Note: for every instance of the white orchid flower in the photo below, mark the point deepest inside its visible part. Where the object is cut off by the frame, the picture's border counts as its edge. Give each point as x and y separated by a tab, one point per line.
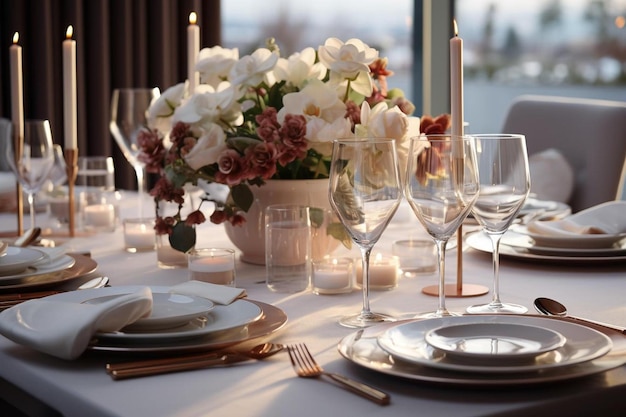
214	64
252	70
315	101
210	105
384	122
208	147
162	108
349	60
299	68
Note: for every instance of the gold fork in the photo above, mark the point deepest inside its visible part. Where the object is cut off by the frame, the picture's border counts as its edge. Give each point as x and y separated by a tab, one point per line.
306	367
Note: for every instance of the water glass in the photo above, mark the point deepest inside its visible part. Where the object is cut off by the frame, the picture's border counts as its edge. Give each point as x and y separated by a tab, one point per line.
96	172
214	265
287	248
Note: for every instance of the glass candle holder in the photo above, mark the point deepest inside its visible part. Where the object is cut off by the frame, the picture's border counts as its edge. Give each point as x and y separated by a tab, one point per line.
332	275
416	256
214	265
383	272
139	235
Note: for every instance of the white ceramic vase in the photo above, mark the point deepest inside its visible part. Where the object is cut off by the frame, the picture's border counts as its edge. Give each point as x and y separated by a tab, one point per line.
250	237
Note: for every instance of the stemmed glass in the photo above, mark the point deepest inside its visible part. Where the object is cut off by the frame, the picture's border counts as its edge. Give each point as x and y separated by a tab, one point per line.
128	118
504	186
32	161
441	186
364	192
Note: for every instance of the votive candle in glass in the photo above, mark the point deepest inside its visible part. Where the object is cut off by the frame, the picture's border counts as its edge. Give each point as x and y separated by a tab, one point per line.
139	235
214	265
383	272
332	275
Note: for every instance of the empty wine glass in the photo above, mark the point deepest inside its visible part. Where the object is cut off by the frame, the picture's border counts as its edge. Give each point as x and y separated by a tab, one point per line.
364	192
32	160
128	118
441	186
504	186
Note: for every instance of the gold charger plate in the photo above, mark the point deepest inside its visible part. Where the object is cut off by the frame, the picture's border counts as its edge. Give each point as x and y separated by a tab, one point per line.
82	266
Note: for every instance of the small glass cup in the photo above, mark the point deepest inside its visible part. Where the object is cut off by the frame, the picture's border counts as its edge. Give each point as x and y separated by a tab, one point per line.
383	272
139	235
416	256
214	265
332	275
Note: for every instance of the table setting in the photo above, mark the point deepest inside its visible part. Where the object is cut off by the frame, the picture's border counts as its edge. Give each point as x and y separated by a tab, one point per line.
195	322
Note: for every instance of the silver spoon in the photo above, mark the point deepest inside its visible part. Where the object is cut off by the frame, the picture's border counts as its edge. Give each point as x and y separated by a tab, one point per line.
97	282
28	237
551	307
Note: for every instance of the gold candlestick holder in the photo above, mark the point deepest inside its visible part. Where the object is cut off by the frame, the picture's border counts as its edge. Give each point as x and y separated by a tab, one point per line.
71	162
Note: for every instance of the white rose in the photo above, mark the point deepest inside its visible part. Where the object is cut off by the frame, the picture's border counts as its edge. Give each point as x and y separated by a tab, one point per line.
208	147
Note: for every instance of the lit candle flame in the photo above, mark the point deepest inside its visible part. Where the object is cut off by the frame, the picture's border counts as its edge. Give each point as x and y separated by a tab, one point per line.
16	37
69	32
193	18
456	28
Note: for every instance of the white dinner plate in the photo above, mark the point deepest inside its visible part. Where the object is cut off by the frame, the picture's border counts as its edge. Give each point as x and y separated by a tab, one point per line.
16	260
524	241
222	318
406	342
480	242
490	343
40	268
362	348
168	310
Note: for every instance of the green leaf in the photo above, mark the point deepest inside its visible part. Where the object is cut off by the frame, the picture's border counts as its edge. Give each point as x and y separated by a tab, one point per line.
316	215
242	196
183	237
337	231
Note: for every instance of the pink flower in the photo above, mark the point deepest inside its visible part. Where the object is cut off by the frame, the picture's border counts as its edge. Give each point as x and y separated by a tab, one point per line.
261	159
195	217
153	150
231	168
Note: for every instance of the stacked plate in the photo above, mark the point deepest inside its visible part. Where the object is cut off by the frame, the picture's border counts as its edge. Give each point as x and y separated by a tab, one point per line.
36	267
181	322
484	349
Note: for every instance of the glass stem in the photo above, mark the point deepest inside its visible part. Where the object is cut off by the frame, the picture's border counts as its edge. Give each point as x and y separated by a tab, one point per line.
140	171
441	259
495	244
31	206
365	256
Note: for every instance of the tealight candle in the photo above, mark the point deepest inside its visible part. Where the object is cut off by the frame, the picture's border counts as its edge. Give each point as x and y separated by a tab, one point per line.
99	217
332	276
139	235
213	265
383	273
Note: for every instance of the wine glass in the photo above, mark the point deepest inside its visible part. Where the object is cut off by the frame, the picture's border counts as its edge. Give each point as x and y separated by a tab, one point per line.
504	186
441	186
364	192
128	118
32	160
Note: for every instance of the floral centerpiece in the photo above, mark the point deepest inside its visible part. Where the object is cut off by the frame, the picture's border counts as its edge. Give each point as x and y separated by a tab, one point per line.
262	117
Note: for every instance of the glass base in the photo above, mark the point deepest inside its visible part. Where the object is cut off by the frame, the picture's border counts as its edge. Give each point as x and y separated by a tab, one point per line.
435	314
362	320
497	308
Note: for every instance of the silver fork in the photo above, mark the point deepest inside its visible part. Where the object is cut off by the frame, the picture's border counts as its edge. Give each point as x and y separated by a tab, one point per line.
306	367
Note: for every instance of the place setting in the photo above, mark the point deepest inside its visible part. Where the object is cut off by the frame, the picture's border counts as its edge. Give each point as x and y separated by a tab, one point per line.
485	350
191	316
592	236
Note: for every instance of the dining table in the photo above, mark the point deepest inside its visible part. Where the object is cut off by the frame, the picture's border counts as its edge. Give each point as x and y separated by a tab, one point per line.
35	384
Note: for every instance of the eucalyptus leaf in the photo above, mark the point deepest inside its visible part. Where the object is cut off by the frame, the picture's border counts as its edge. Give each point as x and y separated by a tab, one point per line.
242	196
183	237
345	200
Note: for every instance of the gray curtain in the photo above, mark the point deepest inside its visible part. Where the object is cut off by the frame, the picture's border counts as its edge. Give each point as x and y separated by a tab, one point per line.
120	43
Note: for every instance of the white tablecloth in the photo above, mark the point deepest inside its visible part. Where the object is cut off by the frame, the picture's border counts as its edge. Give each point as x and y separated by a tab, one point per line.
270	387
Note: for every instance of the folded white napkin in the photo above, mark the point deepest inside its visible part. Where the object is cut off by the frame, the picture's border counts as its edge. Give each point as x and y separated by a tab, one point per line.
606	218
562	228
219	294
64	329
